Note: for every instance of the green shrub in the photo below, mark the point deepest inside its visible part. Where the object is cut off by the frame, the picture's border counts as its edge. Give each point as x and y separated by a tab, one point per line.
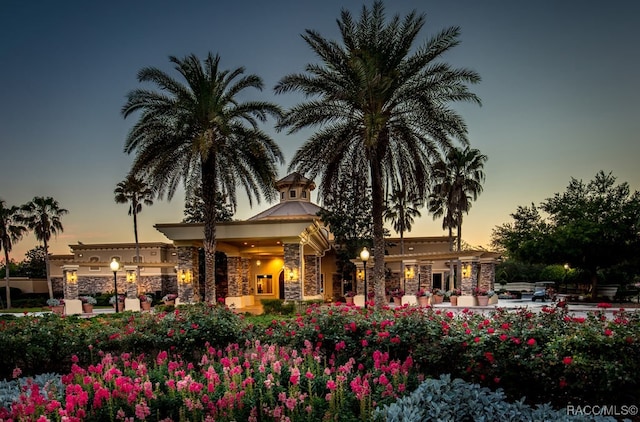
456	400
278	307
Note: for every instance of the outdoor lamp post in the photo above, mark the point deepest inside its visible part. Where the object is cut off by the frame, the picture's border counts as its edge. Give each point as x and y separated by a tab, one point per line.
566	270
364	256
115	266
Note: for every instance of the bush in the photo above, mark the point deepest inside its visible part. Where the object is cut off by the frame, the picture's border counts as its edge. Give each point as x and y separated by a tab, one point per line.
448	400
278	307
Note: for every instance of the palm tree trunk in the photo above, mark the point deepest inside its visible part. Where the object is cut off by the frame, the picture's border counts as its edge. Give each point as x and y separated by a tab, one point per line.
135	234
209	190
377	208
459	231
6	267
452	279
47	266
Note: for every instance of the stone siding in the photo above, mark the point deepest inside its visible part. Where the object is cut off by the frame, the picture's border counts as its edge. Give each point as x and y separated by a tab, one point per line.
234	272
292	288
487	275
311	275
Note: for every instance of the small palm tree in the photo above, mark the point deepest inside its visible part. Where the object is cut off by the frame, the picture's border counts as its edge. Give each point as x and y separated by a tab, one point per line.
135	192
43	216
202	130
458	182
401	210
382	108
10	232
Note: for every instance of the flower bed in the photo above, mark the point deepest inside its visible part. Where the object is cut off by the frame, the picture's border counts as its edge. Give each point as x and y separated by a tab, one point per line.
563	359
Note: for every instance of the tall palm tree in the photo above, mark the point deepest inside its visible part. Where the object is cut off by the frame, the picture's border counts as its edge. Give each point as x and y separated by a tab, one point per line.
401	210
135	192
382	108
43	216
10	232
458	182
200	128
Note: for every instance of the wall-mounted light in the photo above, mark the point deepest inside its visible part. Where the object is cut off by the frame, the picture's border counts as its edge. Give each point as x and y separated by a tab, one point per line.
185	276
408	273
131	276
291	275
72	277
466	271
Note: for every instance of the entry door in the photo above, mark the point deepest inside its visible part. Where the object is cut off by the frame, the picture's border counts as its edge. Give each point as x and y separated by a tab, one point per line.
437	281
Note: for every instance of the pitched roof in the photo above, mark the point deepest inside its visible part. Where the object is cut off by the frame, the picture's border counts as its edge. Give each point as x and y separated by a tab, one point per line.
288	211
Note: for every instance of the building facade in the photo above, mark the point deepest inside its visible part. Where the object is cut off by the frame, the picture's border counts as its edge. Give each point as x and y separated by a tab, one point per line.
283	252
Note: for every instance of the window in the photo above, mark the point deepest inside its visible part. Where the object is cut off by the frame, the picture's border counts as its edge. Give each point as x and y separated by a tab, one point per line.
281	195
92	260
292	194
304	194
264	284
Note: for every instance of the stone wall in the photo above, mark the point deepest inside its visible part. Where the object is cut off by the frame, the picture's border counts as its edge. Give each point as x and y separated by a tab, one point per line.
104	284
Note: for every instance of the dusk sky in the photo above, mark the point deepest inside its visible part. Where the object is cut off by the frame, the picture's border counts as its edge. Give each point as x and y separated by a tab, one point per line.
560	85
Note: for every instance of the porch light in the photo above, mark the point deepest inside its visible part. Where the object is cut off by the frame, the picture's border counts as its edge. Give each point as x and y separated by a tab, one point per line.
131	276
466	271
72	277
409	272
185	276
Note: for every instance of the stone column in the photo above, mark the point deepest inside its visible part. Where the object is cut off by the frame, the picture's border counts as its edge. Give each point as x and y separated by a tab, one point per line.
410	277
234	274
469	273
245	282
131	287
487	278
425	275
311	275
292	287
70	281
187	274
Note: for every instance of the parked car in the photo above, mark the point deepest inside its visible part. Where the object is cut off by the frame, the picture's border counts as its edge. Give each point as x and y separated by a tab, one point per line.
544	290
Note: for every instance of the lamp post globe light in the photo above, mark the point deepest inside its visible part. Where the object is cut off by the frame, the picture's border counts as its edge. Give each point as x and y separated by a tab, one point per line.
115	266
364	257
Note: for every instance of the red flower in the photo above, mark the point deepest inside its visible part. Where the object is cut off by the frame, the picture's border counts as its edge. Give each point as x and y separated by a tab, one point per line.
608	332
567	360
531	342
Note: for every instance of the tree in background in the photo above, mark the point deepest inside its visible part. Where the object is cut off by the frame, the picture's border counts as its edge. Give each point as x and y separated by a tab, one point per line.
592	227
380	105
135	192
402	207
199	128
457	182
11	231
346	212
43	217
194	207
35	263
